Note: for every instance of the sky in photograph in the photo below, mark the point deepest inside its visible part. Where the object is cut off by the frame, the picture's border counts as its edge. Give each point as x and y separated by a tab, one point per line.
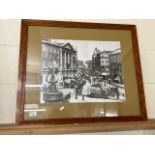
85	48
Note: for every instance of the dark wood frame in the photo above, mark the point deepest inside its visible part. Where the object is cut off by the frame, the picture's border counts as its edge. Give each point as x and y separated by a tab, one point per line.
22	71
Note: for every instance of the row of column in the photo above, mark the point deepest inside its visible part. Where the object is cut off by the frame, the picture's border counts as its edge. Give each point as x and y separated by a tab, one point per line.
65	58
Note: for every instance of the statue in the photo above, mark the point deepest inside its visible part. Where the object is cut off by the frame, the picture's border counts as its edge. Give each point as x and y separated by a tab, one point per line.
52	94
52	81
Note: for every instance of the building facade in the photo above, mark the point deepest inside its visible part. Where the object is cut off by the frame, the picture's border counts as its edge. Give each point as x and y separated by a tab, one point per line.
80	64
60	57
116	64
100	60
108	63
89	65
96	64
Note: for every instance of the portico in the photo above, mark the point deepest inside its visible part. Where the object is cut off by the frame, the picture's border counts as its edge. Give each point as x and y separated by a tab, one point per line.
61	56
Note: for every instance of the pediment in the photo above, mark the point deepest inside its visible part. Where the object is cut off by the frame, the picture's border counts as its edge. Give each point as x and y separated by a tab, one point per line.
68	46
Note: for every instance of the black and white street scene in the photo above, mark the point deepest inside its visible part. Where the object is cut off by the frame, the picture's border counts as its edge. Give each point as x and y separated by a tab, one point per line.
80	71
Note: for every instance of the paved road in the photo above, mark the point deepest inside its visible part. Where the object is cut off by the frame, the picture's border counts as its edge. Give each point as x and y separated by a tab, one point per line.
87	99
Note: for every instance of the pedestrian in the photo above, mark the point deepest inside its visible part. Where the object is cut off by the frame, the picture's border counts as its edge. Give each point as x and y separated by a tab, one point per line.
86	89
117	92
76	91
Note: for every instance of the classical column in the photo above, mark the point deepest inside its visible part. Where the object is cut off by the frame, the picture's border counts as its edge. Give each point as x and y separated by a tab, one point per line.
64	59
70	64
61	61
68	58
72	61
61	67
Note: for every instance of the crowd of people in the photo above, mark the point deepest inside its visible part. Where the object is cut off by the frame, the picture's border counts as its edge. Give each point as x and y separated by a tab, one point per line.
100	90
82	87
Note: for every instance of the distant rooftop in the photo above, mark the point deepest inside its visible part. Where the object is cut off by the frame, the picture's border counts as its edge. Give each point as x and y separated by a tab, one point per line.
96	51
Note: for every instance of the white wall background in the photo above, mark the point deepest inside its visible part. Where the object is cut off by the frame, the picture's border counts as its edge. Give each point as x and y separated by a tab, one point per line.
9	54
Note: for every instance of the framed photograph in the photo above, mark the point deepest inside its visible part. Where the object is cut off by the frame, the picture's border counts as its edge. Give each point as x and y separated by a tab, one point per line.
72	72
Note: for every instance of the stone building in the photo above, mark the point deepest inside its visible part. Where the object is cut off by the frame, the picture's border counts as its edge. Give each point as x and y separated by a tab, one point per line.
89	65
108	63
100	60
60	57
116	64
80	64
96	59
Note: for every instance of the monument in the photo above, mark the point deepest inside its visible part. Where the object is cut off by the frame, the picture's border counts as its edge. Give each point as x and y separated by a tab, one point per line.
51	93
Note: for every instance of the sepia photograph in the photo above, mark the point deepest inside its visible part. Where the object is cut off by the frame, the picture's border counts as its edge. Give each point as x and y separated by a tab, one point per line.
81	71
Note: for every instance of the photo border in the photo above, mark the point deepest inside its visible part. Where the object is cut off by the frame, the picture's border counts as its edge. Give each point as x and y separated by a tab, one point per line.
22	71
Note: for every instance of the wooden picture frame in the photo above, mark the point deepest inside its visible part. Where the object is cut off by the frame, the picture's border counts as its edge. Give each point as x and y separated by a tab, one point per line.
139	115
